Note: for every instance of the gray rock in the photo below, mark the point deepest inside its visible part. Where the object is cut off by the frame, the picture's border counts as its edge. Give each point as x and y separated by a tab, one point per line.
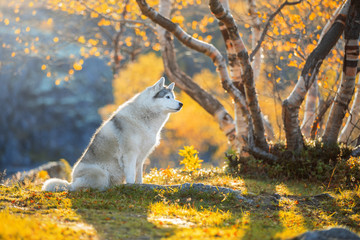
330	234
54	169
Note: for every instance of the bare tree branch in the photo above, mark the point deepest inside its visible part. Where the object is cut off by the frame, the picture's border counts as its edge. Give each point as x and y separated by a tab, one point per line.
185	83
121	20
267	25
200	46
315	126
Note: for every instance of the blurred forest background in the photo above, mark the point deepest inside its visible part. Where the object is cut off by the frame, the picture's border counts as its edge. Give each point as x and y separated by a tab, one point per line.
66	65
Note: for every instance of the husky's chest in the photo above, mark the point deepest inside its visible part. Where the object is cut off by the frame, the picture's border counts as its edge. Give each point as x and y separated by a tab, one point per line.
147	139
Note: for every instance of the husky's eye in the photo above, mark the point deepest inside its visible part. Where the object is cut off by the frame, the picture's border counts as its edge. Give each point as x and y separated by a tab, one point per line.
168	97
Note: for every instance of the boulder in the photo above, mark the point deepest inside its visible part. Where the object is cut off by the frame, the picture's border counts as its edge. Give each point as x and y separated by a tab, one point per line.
60	169
332	233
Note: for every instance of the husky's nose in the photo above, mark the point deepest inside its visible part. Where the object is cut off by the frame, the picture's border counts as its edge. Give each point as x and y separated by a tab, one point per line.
180	105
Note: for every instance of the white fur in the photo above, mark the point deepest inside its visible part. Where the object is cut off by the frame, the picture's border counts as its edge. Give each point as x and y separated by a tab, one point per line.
118	149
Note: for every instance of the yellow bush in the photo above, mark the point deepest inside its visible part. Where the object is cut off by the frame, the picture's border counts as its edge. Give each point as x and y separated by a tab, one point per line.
191	160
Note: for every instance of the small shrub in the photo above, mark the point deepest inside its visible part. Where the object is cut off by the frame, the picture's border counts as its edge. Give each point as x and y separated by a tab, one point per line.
327	164
191	159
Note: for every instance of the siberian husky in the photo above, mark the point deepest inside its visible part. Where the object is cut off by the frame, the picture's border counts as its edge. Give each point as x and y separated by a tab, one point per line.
118	149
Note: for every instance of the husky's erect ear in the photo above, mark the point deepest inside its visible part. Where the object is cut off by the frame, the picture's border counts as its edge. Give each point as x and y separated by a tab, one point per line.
159	84
171	86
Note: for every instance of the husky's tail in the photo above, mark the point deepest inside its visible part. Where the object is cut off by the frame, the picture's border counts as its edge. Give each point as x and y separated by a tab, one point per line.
56	185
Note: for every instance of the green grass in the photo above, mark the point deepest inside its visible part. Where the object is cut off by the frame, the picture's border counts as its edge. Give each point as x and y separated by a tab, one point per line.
278	210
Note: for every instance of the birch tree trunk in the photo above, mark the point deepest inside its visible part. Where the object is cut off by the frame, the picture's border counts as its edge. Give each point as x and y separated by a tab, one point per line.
310	110
256	61
291	105
247	72
347	86
310	105
235	73
256	34
353	120
185	83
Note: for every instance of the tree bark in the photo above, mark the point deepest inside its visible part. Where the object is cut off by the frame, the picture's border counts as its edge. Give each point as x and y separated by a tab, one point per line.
242	128
353	119
310	110
256	34
346	89
291	105
247	72
186	84
310	105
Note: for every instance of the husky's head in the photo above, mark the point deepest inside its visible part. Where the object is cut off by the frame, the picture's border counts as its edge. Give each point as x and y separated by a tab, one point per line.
163	96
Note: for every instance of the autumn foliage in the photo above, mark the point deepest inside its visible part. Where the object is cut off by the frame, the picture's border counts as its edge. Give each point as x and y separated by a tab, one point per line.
122	36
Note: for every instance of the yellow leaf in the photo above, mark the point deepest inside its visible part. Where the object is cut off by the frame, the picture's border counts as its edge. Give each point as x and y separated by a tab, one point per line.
81	39
43	67
6	21
56	39
312	16
93	42
156	47
43	174
94	15
325	85
77	66
178	19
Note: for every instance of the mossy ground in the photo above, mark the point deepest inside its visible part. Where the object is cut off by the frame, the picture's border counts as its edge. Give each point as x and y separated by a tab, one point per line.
278	210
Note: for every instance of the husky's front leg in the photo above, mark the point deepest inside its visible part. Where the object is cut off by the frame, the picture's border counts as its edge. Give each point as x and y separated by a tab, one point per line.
129	161
139	172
